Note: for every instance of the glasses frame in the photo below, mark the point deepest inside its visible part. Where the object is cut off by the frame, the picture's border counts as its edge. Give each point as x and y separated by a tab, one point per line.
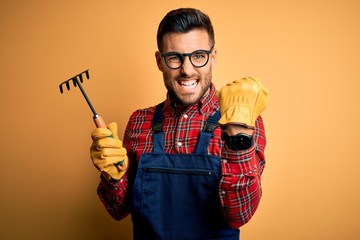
183	55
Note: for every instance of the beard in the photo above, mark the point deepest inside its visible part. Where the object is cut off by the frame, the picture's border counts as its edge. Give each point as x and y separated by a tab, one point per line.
185	99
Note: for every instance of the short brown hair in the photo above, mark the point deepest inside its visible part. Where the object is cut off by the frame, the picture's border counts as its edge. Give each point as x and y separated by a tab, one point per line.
183	20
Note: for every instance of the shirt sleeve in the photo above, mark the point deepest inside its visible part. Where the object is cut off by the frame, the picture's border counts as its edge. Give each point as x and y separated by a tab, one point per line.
240	185
113	196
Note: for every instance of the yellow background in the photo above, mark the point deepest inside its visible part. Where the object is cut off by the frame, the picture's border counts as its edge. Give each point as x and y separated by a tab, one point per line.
306	52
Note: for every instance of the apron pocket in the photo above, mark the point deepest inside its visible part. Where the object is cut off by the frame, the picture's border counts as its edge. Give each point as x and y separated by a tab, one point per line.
180	202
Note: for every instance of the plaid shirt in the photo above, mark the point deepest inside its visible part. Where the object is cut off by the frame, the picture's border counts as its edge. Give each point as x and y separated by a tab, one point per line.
240	184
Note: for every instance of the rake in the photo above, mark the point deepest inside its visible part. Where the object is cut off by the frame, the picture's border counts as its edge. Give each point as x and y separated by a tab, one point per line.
99	122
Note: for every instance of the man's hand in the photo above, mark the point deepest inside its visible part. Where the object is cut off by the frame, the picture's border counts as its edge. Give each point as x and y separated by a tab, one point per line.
107	150
242	101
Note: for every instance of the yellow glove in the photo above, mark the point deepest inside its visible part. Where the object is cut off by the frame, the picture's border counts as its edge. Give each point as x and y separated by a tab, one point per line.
242	101
107	150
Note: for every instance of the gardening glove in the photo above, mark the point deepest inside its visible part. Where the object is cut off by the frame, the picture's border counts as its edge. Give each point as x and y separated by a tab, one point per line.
242	101
107	152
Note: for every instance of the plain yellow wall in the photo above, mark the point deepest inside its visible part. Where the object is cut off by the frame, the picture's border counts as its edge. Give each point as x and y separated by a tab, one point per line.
306	52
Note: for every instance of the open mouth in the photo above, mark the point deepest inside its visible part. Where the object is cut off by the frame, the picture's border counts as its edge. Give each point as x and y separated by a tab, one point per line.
188	84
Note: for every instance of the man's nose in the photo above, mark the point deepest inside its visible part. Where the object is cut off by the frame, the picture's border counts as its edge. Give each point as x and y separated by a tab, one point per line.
187	66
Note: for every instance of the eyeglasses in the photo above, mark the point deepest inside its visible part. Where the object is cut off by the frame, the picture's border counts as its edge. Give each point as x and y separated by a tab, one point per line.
198	58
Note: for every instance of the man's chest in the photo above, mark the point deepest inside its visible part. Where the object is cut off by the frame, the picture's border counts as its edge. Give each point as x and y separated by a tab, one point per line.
180	134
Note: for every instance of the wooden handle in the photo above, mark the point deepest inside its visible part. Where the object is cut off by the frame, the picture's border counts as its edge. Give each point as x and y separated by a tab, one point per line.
99	122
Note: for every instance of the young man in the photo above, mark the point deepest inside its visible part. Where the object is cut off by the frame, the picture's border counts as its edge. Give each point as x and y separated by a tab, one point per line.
191	166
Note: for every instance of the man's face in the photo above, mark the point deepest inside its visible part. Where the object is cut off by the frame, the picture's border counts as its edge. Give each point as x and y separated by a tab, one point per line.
188	83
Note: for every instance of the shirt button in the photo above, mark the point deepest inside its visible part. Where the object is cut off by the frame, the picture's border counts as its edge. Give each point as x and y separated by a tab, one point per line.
223	192
224	161
179	144
185	116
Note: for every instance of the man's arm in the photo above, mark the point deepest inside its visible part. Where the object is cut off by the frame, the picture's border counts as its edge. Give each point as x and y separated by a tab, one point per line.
242	158
113	196
240	185
113	193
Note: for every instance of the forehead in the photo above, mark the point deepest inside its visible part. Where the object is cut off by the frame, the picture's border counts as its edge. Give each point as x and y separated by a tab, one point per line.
186	42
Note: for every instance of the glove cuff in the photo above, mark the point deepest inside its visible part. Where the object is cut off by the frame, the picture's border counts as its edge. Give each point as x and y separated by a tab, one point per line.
238	114
113	171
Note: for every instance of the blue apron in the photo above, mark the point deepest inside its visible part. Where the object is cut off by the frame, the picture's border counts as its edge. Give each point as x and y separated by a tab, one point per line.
175	196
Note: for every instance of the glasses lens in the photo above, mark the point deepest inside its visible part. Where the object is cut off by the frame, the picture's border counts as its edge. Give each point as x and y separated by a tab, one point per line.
174	60
199	58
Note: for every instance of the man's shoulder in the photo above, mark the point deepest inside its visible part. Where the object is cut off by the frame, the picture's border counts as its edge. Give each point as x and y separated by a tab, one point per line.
143	114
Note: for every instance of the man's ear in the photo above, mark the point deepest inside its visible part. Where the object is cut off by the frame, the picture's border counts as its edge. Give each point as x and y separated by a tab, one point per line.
158	58
213	57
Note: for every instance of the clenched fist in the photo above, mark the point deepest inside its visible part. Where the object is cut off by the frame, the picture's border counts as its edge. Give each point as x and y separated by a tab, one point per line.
242	101
107	152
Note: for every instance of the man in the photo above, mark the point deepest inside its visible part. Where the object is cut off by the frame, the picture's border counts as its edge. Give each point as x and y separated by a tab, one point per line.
192	164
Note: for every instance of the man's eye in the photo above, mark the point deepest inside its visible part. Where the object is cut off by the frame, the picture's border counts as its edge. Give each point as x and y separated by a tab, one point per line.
199	55
174	58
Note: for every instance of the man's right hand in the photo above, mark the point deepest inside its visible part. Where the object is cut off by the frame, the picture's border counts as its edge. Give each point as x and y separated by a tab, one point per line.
107	152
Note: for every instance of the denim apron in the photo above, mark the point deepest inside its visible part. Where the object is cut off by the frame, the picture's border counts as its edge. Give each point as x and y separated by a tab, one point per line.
175	196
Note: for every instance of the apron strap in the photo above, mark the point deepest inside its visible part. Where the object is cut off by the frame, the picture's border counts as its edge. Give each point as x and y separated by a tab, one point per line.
205	135
157	122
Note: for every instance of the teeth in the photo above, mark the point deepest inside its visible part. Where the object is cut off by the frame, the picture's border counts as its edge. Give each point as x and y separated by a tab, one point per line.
188	83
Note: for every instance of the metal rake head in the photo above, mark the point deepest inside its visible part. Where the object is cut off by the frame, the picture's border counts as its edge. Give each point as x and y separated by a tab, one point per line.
75	81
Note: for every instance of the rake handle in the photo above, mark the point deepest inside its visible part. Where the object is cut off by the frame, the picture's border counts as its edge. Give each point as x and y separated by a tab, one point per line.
99	122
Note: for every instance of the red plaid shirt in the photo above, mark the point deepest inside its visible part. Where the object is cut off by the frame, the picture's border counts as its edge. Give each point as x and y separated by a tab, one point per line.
240	184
